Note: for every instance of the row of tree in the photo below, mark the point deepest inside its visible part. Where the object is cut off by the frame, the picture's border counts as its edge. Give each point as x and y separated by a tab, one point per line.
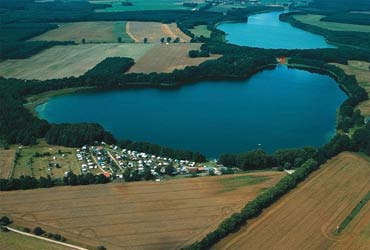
359	142
161	151
255	207
259	159
28	182
349	38
348	117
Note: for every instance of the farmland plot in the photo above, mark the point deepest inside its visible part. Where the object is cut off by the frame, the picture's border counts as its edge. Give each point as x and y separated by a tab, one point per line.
154	31
6	162
307	217
91	32
167	57
66	61
316	21
142	215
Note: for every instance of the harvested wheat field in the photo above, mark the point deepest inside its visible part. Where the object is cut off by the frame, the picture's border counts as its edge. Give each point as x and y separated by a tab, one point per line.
141	215
167	57
91	32
6	162
66	61
154	31
307	217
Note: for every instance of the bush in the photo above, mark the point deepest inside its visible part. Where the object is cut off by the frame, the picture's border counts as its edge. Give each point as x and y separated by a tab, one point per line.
38	231
4	221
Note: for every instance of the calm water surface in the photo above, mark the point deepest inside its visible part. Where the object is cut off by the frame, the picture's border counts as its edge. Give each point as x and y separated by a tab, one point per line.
277	108
267	31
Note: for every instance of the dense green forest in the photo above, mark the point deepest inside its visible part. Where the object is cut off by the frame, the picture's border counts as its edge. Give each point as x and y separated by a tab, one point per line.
158	150
77	134
352	18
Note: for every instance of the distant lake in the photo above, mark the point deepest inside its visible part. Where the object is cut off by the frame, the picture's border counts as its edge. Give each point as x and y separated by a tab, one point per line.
267	31
278	108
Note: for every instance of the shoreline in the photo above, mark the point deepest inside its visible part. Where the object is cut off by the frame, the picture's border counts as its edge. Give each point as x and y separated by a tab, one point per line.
35	100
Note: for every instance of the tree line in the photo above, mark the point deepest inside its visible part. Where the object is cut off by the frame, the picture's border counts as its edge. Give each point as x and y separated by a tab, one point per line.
161	151
29	182
348	117
349	38
259	159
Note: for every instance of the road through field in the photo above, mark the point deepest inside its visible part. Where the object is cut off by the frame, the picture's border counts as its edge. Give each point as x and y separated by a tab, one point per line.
136	216
307	217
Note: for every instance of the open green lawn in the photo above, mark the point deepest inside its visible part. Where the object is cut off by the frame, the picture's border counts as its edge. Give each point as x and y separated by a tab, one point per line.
201	30
142	5
233	183
315	20
14	241
27	164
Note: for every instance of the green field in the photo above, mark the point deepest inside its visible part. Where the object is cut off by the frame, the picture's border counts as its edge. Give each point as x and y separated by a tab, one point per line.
201	30
233	183
142	5
14	241
29	165
91	32
315	20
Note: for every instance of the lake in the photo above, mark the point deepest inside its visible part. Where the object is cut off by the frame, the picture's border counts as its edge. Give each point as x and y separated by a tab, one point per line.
277	108
267	31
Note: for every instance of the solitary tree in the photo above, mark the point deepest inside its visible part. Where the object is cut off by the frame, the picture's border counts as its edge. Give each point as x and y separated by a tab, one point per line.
119	39
38	231
162	40
145	40
83	40
4	221
169	39
177	39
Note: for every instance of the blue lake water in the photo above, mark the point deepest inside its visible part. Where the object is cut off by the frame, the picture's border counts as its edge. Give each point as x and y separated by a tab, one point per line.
267	31
277	108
